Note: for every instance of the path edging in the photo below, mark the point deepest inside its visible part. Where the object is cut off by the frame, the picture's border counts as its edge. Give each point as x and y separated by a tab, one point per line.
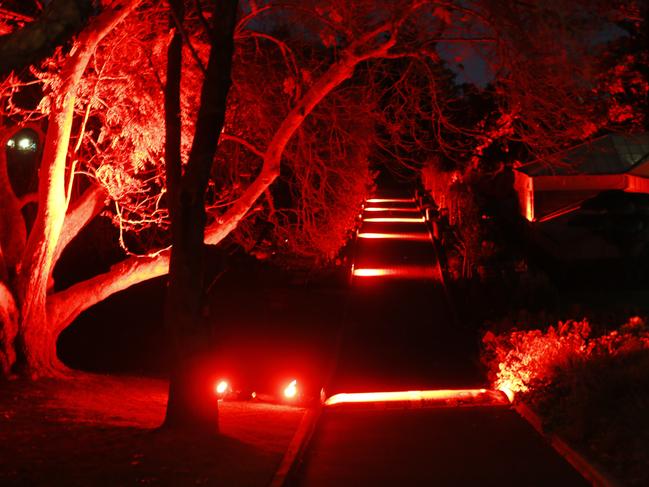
296	448
592	473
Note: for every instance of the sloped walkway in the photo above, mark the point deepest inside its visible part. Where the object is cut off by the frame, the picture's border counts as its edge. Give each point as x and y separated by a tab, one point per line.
400	336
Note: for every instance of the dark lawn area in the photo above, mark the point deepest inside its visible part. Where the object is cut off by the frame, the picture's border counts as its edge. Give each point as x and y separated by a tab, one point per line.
101	430
270	327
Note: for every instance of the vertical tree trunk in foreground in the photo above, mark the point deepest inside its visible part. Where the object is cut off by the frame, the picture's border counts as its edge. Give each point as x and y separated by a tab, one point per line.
192	404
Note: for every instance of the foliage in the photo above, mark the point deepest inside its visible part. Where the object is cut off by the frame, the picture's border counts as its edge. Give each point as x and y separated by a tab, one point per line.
521	361
600	406
591	391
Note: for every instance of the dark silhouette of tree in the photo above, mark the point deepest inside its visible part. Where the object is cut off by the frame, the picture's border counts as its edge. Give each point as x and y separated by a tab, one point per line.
192	403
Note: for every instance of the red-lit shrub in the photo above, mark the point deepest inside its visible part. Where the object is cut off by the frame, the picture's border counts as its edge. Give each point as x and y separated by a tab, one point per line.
520	361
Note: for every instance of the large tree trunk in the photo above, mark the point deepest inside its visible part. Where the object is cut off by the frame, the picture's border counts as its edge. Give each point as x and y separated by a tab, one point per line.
37	338
192	404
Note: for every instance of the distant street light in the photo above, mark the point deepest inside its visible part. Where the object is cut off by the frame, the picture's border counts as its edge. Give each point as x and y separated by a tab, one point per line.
25	144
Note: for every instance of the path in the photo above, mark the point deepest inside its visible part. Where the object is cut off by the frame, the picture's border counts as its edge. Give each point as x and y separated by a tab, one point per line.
400	336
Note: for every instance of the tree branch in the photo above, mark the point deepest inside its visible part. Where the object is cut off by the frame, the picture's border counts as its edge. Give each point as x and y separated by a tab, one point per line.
243	142
64	306
83	210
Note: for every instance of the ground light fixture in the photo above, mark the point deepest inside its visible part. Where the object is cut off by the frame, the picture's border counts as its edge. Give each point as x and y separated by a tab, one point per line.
221	388
290	392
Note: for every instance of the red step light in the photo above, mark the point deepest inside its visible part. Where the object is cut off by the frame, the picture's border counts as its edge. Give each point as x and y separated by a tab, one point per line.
431	398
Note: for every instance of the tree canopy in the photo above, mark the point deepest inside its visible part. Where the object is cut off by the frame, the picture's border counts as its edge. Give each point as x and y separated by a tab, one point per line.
322	90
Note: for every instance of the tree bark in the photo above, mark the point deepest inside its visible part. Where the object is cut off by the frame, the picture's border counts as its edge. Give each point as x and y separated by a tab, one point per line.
8	329
192	404
37	339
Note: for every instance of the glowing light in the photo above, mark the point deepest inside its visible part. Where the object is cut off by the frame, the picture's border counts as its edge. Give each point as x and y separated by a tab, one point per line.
508	392
391	200
427	398
384	208
397	236
291	390
395	220
222	387
405	271
370	272
11	143
26	144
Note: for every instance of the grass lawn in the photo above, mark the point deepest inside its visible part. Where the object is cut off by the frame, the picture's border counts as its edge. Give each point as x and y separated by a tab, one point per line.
101	430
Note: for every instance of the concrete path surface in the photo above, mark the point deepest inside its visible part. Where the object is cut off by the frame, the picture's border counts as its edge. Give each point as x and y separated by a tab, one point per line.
431	447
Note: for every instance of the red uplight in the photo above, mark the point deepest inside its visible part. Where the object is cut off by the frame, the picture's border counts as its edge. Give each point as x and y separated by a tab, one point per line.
508	392
222	387
291	390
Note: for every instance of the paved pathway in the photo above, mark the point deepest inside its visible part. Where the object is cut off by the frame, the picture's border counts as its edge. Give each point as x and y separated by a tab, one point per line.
400	336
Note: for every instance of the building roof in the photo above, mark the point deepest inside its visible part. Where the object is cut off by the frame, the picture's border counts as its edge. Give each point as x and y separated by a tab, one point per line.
609	154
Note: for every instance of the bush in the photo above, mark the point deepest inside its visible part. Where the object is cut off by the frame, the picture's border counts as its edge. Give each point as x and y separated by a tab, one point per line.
520	361
592	392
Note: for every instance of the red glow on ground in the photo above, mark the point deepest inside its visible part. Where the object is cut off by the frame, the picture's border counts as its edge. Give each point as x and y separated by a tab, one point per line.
395	220
391	200
396	236
431	398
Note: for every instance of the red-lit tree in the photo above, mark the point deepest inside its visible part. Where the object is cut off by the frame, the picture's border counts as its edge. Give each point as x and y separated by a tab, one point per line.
291	92
27	259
